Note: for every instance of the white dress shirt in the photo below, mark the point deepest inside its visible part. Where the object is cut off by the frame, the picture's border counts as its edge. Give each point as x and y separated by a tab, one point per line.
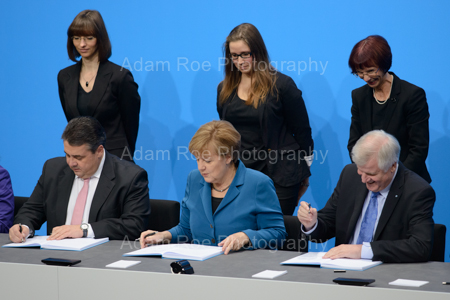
76	188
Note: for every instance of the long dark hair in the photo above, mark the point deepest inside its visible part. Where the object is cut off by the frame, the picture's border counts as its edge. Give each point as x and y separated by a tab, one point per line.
264	74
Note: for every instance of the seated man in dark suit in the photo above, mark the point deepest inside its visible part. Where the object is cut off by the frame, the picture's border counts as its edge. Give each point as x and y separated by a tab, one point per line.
379	209
89	193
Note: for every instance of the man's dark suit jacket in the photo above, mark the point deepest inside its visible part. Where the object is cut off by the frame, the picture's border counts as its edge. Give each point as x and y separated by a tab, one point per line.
120	207
115	103
405	228
407	120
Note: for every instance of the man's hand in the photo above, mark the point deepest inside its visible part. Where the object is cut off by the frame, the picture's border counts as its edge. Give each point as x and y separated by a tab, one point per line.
307	216
344	251
234	242
66	231
15	236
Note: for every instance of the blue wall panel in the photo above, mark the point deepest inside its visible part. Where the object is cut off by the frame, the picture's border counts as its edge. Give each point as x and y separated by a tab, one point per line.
174	51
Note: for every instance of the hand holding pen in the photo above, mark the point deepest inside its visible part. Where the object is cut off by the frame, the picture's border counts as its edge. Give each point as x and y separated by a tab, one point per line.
151	237
307	215
18	233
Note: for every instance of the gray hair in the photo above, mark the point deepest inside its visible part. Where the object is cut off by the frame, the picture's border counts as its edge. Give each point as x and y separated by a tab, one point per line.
376	143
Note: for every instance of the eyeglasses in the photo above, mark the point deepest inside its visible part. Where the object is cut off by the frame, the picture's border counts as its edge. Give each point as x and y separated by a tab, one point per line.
368	73
85	38
243	55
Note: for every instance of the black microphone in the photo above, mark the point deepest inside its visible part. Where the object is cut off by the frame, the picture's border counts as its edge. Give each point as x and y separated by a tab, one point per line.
394	100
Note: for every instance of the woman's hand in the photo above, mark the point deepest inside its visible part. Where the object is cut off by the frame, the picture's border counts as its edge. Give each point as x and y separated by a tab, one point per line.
234	242
151	237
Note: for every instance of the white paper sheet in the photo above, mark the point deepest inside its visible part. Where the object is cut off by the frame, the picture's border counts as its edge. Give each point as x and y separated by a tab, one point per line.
407	282
269	274
123	264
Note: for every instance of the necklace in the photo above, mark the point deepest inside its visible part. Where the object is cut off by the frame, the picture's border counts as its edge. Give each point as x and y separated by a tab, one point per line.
220	191
383	102
88	81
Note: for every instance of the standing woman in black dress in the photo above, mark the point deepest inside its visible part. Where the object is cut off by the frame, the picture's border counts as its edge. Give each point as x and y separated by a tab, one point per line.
96	87
267	109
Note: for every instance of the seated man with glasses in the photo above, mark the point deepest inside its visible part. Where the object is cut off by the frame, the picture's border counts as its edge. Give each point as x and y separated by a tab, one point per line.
379	209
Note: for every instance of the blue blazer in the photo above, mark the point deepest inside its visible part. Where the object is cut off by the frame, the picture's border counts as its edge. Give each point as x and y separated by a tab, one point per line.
250	206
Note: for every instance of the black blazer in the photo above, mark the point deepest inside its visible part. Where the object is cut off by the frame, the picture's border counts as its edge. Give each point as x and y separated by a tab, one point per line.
120	207
115	103
407	121
285	131
405	229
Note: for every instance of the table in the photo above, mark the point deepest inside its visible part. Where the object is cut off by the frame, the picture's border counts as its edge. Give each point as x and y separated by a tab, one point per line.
23	276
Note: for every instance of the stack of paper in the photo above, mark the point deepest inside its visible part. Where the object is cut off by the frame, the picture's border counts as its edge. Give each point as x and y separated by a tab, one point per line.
123	264
407	282
315	259
179	251
79	244
269	274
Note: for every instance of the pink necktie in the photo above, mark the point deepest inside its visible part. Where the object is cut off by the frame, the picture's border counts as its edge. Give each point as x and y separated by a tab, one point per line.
78	211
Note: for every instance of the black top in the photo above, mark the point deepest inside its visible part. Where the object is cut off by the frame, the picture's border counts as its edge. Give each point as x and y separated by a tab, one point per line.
285	131
215	203
406	118
114	102
245	118
83	100
379	112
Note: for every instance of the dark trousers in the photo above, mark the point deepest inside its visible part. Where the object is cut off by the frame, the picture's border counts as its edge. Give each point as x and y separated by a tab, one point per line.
288	197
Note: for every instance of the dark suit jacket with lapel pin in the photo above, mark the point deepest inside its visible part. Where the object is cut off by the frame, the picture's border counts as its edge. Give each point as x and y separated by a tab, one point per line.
406	119
120	207
115	103
405	229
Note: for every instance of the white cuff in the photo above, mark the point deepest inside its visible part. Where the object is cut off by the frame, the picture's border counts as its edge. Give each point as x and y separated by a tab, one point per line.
366	251
310	231
309	159
90	232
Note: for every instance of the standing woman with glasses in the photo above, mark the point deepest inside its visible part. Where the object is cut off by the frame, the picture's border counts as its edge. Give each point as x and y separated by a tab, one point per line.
386	102
267	109
96	87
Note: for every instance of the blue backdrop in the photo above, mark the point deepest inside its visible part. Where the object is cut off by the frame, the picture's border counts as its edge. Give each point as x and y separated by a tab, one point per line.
174	50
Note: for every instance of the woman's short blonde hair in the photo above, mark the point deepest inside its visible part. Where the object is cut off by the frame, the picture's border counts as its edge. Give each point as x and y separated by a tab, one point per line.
219	135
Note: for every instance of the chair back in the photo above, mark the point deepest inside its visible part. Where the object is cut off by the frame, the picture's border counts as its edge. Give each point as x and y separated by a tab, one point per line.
294	240
438	251
18	202
164	215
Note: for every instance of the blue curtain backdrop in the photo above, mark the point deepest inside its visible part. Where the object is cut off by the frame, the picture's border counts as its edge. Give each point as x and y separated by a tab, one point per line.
174	50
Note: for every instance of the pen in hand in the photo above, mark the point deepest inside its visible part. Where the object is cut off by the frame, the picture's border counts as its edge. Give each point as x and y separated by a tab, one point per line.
150	234
309	207
20	230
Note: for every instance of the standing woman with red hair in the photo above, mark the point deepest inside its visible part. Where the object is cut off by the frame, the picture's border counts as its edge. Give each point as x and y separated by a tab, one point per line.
389	103
267	109
96	87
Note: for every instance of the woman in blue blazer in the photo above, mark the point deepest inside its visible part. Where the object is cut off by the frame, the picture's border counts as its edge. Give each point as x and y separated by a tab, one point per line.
96	87
225	203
